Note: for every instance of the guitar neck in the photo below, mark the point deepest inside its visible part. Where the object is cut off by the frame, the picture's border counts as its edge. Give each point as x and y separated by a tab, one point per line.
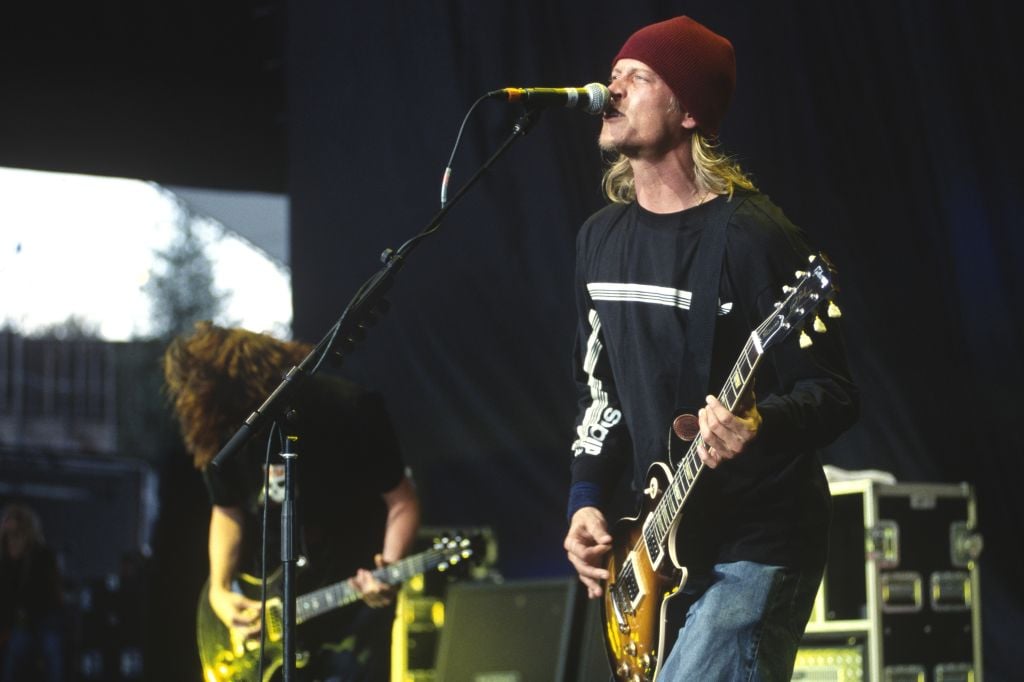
343	593
690	465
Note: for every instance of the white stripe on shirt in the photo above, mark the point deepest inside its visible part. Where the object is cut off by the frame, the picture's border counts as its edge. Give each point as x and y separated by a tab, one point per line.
646	293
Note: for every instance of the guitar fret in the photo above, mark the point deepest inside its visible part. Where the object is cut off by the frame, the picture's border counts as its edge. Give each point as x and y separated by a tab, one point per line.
672	499
692	469
684	485
730	395
750	354
665	518
343	593
658	521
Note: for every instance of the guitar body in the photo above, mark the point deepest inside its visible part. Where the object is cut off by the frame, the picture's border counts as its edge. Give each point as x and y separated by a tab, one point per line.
224	658
637	597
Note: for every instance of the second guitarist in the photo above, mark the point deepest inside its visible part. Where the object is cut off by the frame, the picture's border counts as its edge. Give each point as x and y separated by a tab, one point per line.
357	508
756	553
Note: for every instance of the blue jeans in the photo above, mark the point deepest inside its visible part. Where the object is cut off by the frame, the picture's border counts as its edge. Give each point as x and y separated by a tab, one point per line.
744	625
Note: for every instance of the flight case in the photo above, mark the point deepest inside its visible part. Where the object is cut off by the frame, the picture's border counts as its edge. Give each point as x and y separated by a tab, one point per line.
899	601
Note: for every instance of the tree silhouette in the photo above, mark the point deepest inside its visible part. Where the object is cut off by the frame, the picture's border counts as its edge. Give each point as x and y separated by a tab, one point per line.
73	328
181	284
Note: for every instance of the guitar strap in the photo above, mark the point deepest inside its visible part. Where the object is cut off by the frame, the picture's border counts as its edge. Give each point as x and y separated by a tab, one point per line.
695	375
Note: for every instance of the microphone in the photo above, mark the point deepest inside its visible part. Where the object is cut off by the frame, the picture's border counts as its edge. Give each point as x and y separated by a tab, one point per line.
591	98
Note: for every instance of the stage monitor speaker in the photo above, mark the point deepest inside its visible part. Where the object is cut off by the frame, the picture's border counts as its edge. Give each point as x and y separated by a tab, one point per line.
517	631
593	659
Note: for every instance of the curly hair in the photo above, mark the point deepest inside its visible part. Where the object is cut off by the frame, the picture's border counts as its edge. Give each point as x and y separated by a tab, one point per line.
217	376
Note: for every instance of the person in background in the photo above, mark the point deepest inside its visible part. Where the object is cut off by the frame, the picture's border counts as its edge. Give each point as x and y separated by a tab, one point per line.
31	603
357	507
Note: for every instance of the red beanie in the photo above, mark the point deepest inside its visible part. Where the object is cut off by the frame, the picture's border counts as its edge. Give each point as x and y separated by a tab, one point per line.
696	63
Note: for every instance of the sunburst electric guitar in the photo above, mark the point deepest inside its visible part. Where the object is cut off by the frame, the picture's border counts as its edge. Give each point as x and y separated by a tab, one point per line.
644	571
227	659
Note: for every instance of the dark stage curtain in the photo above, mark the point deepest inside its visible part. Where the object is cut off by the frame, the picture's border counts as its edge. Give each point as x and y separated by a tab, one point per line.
888	130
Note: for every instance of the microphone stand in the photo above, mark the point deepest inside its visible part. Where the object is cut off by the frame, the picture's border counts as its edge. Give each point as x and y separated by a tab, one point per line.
350	328
289	557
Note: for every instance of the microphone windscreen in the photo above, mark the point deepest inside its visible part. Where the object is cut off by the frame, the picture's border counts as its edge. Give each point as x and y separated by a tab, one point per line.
598	97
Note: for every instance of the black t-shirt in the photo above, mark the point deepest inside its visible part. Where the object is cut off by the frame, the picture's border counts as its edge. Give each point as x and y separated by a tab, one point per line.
348	456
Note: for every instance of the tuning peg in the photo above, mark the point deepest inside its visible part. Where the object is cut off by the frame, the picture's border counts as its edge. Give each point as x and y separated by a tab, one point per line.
788	289
799	274
805	340
833	310
818	325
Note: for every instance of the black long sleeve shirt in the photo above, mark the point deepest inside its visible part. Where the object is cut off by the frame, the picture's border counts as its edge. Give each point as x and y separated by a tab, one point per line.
634	281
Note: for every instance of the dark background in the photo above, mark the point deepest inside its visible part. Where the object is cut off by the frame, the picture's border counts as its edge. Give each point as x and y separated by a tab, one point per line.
888	130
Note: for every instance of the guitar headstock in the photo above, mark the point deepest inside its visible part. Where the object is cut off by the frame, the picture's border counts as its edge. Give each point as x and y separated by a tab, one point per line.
811	289
456	549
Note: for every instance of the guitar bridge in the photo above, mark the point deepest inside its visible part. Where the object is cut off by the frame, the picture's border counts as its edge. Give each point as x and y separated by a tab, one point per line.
620	618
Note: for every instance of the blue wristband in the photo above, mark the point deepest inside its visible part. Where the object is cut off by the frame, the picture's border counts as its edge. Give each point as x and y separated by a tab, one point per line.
583	494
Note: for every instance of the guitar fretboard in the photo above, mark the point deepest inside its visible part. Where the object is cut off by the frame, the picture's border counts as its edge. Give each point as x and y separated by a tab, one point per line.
342	593
803	299
690	465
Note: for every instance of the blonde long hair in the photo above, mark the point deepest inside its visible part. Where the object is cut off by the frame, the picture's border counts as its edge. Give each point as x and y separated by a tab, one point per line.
715	172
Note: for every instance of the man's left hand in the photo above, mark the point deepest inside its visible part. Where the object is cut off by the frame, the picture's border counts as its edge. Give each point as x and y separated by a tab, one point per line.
723	433
372	591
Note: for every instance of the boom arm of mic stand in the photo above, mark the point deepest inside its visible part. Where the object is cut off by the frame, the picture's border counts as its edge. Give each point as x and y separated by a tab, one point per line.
380	283
349	332
359	313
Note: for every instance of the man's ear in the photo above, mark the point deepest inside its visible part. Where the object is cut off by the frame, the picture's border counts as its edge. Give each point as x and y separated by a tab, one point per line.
688	122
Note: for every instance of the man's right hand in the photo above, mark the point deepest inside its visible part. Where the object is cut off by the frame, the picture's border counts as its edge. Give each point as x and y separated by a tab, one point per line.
586	543
239	613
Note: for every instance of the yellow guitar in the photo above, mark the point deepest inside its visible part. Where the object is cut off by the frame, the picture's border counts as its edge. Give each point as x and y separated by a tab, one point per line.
225	658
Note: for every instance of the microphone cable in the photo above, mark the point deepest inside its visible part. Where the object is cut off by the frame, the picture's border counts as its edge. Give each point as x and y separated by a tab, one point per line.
388	257
446	178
